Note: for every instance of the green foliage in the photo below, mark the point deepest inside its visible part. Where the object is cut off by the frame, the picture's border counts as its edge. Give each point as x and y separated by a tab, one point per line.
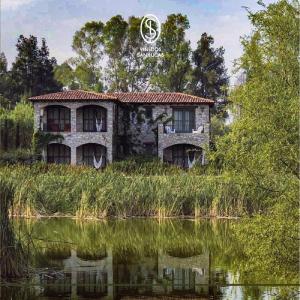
173	67
66	76
271	243
88	45
18	156
124	189
32	72
208	77
41	139
5	83
262	146
127	70
16	127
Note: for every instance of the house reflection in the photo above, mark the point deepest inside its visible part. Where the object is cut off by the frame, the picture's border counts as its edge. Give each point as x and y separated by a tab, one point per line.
114	277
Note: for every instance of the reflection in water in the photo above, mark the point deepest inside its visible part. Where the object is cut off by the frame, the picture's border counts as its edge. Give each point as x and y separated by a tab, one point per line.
107	278
133	259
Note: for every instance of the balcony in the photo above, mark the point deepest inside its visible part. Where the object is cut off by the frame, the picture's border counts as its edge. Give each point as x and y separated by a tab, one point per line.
182	127
58	127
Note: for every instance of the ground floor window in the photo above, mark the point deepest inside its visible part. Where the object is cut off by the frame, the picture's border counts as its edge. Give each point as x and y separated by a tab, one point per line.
183	155
93	154
59	154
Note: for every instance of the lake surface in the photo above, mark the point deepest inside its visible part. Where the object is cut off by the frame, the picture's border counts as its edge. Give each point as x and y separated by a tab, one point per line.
136	259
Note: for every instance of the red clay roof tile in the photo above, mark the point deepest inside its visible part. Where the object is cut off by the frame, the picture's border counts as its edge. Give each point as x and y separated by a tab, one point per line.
160	98
135	97
73	95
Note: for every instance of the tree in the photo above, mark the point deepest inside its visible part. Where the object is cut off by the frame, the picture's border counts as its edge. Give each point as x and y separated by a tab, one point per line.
173	67
66	76
88	45
5	82
261	152
127	70
262	147
33	71
209	76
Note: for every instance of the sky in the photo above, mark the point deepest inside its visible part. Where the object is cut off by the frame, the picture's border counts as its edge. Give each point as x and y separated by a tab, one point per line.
57	20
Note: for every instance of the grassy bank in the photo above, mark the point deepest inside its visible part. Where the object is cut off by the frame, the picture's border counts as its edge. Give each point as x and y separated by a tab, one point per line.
122	190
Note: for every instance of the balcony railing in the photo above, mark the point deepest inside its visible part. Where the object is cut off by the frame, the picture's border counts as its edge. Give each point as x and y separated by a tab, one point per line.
57	127
180	127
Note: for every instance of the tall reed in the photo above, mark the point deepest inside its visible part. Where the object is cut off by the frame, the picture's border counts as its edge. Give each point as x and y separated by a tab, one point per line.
11	255
86	193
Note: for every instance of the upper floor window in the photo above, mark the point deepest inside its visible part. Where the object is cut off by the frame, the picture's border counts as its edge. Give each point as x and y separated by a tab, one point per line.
58	119
183	119
94	118
148	112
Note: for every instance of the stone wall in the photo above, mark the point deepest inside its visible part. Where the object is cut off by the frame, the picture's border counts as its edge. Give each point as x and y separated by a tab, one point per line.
139	135
76	138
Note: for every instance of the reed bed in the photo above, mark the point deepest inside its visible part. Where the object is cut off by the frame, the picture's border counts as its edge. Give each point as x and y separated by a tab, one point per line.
12	259
42	189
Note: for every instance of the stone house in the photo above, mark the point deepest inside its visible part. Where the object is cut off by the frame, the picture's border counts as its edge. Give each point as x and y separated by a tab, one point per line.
98	128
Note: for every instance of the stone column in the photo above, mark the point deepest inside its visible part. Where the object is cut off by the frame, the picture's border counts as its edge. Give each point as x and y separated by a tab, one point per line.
73	119
73	155
109	153
160	149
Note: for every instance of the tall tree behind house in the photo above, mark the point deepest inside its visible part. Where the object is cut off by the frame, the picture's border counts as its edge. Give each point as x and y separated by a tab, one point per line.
173	68
32	72
209	77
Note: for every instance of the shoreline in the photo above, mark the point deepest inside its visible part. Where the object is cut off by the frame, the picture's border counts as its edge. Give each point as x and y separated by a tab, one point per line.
191	218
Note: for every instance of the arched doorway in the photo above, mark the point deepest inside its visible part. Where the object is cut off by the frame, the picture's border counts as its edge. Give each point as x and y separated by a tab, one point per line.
58	154
183	155
93	155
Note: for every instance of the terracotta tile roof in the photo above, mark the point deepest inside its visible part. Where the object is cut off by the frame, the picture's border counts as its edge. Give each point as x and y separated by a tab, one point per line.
73	95
143	98
160	98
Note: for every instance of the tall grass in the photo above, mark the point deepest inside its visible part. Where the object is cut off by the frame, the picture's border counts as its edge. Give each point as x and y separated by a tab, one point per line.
42	189
12	260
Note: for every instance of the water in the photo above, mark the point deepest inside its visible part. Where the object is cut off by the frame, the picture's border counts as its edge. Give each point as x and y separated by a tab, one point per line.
137	259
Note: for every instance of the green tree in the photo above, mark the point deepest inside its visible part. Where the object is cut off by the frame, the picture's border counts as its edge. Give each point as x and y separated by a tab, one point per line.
208	78
88	46
5	83
174	66
66	76
33	71
127	70
262	149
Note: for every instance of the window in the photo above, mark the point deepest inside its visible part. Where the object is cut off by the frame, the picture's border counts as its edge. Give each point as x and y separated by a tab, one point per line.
59	154
94	118
58	119
183	119
179	155
91	150
148	112
182	154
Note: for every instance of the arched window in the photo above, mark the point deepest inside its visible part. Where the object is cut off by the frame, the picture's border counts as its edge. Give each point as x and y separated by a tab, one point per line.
58	118
89	151
182	155
59	154
94	118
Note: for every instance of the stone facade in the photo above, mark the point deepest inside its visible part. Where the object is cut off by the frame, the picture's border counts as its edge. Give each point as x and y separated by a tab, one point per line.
127	123
76	137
